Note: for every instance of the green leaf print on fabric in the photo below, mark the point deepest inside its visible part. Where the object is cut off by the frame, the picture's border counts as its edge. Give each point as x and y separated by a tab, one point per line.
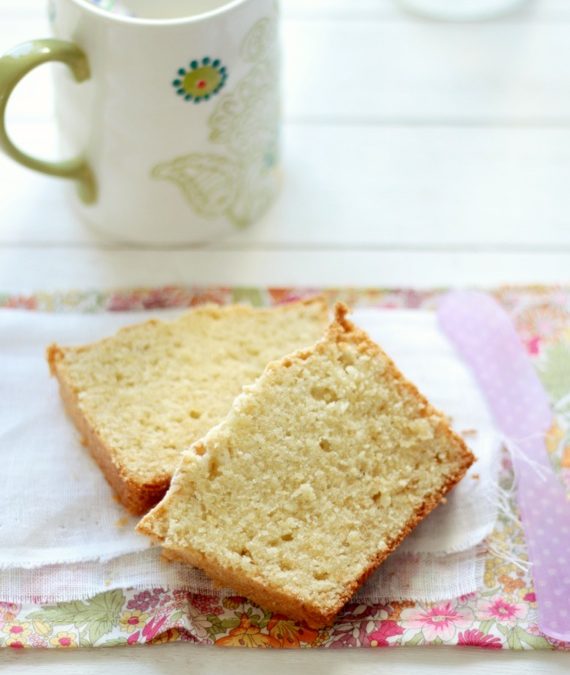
252	296
533	641
554	370
95	617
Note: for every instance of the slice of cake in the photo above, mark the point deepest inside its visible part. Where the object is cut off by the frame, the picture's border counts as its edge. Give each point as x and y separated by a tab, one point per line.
141	397
318	472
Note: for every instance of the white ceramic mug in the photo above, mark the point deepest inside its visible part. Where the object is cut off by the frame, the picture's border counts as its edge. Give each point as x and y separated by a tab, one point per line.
172	108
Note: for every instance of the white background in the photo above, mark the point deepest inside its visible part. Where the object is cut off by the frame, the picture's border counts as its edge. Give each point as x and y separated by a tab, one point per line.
416	153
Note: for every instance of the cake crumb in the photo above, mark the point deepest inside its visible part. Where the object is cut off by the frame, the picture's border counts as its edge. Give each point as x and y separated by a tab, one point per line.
121	522
444	500
469	433
475	476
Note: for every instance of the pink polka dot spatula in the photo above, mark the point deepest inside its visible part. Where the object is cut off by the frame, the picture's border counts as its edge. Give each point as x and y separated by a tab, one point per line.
486	339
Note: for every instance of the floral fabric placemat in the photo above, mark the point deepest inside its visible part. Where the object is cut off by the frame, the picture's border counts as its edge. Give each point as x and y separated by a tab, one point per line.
501	615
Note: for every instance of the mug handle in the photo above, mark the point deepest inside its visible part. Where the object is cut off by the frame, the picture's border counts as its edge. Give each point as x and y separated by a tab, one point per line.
16	63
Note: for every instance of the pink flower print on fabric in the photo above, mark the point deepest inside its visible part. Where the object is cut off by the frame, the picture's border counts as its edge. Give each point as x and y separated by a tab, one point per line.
503	611
475	638
440	621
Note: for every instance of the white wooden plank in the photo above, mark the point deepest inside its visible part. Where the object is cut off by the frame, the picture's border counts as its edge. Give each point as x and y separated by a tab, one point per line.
361	186
17	7
36	269
33	97
417	186
362	70
183	658
16	26
410	71
392	10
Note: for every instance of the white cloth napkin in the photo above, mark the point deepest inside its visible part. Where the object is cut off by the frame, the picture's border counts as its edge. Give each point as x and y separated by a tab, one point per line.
63	536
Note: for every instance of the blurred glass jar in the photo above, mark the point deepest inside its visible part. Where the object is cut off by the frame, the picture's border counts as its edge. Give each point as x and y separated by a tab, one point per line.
462	10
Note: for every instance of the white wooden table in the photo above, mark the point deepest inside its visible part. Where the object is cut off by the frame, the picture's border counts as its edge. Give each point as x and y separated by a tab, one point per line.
416	154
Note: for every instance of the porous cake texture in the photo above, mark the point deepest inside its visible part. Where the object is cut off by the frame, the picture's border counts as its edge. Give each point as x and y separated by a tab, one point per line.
318	472
142	396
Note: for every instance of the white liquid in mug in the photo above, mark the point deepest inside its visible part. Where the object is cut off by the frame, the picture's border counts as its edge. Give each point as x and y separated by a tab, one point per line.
159	9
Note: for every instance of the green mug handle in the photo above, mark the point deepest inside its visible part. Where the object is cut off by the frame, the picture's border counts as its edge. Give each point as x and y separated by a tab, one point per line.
16	63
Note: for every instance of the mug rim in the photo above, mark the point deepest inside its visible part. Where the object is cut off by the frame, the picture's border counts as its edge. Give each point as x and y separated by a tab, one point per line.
136	21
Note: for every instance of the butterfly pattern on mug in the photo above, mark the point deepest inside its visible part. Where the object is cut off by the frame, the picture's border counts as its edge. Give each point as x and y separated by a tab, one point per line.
238	182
